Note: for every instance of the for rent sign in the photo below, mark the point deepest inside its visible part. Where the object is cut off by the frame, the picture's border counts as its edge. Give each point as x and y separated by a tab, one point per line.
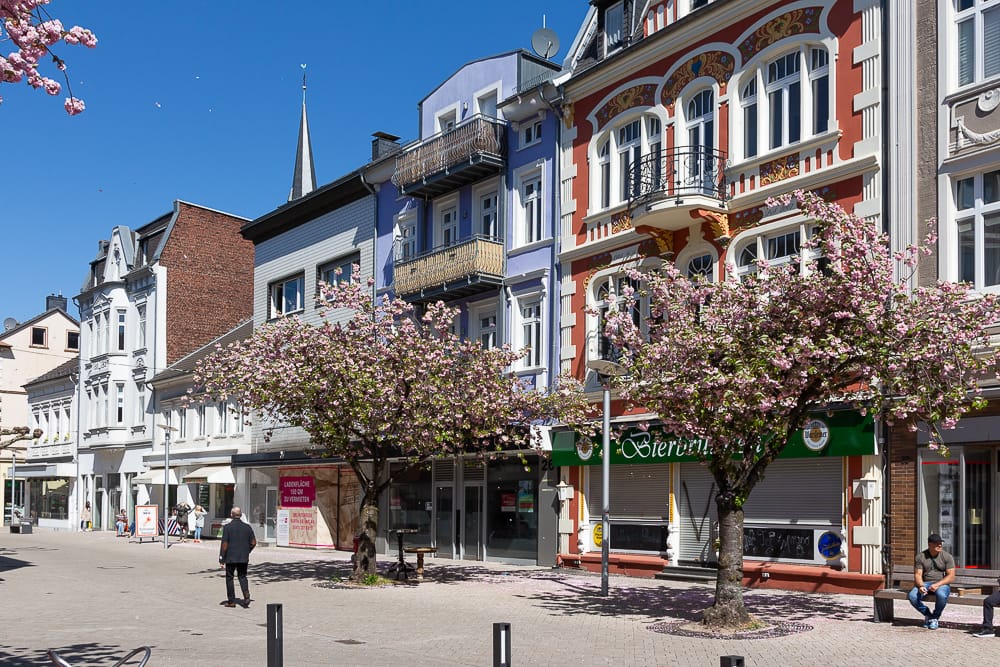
298	491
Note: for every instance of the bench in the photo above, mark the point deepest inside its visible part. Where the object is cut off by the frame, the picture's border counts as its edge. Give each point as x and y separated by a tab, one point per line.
420	551
970	588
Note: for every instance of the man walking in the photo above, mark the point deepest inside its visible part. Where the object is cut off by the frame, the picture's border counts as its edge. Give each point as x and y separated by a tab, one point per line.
988	605
238	541
933	572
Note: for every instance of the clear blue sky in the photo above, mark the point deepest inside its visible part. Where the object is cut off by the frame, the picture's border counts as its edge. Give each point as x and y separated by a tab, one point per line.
201	102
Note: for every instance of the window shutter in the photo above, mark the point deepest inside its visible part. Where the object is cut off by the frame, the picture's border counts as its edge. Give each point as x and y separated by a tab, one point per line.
637	492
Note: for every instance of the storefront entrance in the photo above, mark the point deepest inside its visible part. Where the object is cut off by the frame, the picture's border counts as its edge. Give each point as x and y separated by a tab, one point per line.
955	501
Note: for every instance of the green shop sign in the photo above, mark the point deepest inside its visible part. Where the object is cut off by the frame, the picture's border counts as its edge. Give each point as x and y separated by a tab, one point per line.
842	434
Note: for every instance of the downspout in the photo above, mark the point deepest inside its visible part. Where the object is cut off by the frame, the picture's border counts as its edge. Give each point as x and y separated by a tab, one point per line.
374	194
79	406
886	213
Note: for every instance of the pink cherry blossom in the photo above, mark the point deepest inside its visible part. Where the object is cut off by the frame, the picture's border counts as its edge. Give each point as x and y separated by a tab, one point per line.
27	24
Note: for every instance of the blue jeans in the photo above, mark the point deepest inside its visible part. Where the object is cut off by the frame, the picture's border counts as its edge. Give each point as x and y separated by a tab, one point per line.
197	532
940	594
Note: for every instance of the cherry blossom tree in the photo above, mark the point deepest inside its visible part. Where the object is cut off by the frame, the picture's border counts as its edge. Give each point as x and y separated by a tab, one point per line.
741	363
34	33
386	383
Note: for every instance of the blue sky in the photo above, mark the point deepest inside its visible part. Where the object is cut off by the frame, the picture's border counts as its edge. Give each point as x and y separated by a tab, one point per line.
203	105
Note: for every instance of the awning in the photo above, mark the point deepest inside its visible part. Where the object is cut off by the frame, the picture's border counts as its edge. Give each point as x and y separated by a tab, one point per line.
155	476
212	475
44	470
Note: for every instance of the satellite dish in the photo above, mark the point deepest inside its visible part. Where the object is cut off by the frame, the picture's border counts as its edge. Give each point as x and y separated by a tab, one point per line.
545	43
9	324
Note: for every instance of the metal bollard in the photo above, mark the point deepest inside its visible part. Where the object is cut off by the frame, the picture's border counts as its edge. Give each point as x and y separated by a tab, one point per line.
275	649
731	661
501	645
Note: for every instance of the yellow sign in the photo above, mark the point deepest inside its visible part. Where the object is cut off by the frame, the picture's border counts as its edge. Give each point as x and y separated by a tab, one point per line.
598	534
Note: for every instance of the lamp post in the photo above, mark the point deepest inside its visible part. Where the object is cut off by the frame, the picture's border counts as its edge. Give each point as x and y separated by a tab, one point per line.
606	370
166	480
13	486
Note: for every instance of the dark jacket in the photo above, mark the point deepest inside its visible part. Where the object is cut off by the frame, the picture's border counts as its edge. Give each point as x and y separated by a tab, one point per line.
238	541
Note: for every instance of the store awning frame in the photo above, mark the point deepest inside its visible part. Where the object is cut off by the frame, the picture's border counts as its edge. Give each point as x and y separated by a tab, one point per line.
154	476
222	474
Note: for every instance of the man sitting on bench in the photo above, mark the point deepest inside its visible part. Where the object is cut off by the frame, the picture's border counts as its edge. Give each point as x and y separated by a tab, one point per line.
933	572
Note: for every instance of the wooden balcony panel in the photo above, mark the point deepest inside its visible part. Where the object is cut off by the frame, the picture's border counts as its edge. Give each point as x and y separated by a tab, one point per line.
479	139
473	259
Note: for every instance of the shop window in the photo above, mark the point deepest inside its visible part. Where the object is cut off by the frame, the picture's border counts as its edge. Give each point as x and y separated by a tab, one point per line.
956	503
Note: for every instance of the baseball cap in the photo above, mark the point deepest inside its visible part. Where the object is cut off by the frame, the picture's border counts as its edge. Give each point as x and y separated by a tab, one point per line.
934	538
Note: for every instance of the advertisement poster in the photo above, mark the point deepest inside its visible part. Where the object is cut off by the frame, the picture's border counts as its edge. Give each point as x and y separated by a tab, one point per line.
298	491
282	528
147	521
525	496
508	502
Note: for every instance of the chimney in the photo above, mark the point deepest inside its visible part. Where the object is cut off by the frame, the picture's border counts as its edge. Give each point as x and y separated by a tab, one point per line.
53	301
384	144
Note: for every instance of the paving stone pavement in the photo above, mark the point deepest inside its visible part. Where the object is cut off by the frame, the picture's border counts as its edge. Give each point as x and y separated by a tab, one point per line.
94	597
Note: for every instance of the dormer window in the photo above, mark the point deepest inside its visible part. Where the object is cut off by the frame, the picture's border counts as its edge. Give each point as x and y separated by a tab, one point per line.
614	27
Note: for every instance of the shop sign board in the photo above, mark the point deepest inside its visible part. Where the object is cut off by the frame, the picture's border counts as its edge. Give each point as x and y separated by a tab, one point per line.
281	533
840	434
147	521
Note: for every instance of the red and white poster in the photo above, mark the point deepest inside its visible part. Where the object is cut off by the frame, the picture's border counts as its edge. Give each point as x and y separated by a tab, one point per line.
298	491
147	521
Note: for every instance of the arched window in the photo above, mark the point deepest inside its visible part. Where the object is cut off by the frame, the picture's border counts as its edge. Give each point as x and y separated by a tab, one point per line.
700	168
610	295
614	172
795	103
701	266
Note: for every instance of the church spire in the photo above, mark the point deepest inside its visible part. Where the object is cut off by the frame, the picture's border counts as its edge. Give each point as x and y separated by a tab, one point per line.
304	178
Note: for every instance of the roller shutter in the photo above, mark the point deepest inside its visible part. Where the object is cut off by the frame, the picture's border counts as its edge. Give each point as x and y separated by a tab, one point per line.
637	492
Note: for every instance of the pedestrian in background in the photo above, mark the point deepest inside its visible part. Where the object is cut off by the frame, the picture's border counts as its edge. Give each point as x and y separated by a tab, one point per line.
199	522
238	541
121	523
183	509
85	517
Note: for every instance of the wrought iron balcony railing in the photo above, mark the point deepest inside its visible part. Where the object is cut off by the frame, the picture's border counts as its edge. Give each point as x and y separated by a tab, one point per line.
467	266
679	172
476	145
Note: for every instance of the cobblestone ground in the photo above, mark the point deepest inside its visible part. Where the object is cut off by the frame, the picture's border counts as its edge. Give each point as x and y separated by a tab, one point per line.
94	597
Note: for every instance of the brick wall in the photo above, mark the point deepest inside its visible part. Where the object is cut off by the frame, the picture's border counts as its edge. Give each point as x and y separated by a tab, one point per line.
902	495
209	278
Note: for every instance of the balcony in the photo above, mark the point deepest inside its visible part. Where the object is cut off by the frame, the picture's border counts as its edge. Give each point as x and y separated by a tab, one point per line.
467	267
445	162
671	190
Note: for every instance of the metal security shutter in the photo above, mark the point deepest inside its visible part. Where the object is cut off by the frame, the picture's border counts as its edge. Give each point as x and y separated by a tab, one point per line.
637	492
696	508
801	491
793	491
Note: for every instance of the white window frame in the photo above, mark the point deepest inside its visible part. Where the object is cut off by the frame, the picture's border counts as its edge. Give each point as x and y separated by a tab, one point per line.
492	90
139	418
182	423
606	157
530	133
119	403
532	202
974	17
201	417
479	313
443	224
610	47
140	330
629	151
974	217
750	104
406	226
758	242
447	119
489	192
276	296
605	284
326	272
121	341
530	328
222	419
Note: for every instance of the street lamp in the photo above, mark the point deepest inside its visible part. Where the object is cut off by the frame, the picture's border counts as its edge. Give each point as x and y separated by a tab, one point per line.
166	480
605	371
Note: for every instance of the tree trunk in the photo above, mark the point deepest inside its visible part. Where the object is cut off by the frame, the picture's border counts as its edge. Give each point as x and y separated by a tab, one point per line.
728	610
364	560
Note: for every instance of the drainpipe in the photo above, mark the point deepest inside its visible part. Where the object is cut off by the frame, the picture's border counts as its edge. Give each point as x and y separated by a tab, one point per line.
79	406
371	189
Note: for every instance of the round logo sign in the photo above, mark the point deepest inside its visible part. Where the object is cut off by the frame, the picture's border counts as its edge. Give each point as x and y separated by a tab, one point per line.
816	434
598	534
584	449
829	545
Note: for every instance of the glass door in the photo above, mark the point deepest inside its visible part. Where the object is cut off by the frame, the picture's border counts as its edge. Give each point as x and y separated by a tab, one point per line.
444	521
271	514
956	503
472	522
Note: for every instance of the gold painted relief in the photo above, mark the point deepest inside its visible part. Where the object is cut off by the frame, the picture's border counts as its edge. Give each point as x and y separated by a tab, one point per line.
794	22
637	96
779	169
716	64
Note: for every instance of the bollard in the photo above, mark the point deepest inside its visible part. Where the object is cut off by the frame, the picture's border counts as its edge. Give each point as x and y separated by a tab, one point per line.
275	650
501	645
731	661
